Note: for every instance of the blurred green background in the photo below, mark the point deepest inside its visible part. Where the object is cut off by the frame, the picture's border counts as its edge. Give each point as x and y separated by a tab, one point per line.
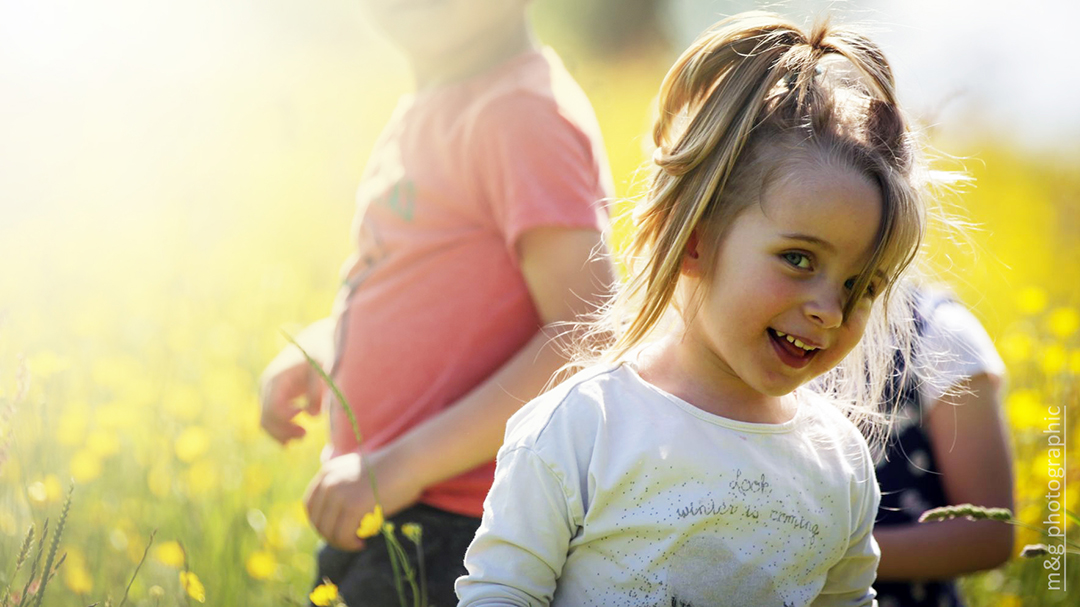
176	183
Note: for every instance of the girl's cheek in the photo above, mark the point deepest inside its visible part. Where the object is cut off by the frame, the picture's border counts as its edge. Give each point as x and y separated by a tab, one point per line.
856	323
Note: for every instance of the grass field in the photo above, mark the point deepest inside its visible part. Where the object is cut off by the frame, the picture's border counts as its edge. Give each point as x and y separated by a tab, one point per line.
144	277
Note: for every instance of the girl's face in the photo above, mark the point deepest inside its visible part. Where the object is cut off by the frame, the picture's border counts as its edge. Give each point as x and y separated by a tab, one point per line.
772	315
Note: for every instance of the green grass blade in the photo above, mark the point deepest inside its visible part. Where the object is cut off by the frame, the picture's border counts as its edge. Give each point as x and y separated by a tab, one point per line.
344	405
46	575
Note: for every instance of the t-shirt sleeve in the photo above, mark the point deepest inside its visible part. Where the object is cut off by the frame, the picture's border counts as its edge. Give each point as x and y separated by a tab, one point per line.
536	168
848	582
953	348
519	551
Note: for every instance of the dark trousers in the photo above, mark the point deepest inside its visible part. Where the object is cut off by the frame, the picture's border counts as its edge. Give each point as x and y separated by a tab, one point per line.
366	578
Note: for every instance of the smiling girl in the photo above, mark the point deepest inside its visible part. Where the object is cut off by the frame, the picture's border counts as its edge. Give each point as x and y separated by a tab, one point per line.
690	465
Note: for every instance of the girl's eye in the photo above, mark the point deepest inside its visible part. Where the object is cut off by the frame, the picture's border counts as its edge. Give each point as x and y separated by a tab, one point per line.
799	260
871	289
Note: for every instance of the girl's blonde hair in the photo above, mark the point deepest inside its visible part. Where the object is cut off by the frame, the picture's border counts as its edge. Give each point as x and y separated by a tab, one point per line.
750	98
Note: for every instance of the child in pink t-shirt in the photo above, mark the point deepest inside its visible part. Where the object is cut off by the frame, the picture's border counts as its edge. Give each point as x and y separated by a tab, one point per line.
478	225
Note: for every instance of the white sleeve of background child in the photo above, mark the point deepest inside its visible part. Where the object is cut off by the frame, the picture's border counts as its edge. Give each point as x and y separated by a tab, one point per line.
848	582
956	347
520	548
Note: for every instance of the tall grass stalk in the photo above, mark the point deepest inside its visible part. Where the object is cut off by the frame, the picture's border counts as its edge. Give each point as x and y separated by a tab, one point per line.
28	541
35	564
1004	515
48	572
399	562
137	567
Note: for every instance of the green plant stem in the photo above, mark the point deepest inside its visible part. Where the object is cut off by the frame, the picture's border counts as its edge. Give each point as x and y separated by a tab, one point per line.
183	589
399	561
344	405
423	576
410	575
387	535
137	567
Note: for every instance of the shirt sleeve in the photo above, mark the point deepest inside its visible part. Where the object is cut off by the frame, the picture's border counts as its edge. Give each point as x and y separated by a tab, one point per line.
536	168
519	551
953	348
849	582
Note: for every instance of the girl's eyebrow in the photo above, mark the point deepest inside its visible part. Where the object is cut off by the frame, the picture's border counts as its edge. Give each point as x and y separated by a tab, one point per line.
812	240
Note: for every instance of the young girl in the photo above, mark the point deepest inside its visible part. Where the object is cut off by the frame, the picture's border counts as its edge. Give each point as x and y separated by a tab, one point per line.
688	467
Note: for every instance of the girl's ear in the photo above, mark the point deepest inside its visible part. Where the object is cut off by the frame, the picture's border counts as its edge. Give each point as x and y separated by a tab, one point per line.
691	263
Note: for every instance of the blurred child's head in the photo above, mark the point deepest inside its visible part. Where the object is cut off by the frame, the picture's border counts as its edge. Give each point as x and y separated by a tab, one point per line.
433	30
756	115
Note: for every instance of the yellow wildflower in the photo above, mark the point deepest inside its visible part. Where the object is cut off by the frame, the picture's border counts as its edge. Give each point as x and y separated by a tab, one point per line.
192	443
201	477
324	594
1031	300
193	586
1063	322
388	527
170	553
1025	409
1054	358
371	523
85	466
53	490
261	565
413	531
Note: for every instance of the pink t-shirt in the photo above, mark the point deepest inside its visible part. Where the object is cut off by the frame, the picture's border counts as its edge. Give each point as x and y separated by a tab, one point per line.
433	300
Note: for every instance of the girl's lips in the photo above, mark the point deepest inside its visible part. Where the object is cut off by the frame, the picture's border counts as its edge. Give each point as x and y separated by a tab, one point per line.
790	354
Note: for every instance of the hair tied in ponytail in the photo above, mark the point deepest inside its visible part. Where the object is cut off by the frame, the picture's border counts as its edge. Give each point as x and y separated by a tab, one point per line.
792	77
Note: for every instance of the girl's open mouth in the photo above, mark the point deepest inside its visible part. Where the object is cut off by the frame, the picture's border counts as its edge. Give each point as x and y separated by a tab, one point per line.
789	353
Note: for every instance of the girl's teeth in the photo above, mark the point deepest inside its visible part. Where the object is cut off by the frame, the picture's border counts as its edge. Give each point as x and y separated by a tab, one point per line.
797	342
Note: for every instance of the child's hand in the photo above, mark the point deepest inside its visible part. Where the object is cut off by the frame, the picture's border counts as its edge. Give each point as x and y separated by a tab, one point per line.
288	377
340	494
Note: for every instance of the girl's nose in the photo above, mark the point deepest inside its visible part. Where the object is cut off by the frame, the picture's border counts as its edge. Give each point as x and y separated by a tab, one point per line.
826	309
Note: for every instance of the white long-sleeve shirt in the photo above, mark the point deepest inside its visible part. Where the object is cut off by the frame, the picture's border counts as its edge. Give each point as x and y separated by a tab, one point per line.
609	491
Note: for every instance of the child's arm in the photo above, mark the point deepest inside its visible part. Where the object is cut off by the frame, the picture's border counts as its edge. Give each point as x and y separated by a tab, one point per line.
848	582
972	454
521	546
567	274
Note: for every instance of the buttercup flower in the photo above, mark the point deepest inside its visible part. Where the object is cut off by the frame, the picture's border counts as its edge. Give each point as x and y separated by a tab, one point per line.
413	531
371	523
324	594
193	586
